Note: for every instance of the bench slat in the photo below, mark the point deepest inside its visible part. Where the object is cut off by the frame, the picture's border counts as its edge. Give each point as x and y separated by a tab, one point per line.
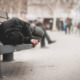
4	49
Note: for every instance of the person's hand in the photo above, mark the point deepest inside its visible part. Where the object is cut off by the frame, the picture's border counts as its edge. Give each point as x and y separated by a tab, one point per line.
34	42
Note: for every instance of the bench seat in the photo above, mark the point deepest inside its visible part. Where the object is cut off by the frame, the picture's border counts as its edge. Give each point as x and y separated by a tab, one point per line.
4	49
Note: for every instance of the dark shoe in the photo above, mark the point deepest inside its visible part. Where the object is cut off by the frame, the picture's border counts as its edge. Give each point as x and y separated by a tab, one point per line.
50	42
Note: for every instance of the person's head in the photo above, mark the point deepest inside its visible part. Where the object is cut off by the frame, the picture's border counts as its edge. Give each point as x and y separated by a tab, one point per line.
41	20
14	38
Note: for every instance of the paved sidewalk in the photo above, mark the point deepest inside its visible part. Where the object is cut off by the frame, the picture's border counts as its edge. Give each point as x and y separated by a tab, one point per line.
58	61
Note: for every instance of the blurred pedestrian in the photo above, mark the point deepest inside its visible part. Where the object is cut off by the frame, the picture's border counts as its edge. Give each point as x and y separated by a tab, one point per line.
59	25
78	26
40	24
68	25
64	25
75	28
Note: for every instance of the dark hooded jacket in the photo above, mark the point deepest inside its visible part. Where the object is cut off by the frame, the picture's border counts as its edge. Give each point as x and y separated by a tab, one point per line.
25	28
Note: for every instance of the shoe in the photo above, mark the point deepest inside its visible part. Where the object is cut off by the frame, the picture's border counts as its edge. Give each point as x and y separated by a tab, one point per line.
50	42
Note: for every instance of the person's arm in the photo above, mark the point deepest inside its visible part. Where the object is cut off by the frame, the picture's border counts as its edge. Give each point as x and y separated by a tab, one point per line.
37	33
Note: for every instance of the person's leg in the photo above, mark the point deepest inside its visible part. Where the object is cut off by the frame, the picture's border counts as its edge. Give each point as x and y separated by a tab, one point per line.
48	38
66	30
43	41
69	29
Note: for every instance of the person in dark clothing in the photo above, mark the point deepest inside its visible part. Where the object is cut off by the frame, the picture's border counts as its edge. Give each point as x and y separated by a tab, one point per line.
15	31
68	25
40	24
78	26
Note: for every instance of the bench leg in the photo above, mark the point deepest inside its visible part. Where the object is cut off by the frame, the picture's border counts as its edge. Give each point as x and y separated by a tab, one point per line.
8	57
0	68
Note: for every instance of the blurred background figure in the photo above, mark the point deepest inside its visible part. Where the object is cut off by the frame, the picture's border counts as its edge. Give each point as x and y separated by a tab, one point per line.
51	24
40	23
68	25
75	30
33	23
64	25
59	24
78	26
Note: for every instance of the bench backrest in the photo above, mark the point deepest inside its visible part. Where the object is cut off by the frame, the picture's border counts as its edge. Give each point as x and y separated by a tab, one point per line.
3	16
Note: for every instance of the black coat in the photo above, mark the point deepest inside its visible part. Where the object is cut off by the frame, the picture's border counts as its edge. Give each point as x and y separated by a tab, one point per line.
38	24
23	27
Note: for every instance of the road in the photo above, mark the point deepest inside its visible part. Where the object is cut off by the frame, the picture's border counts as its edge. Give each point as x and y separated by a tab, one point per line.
57	61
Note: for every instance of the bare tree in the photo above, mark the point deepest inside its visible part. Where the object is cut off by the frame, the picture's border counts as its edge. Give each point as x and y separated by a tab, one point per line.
69	4
15	5
50	5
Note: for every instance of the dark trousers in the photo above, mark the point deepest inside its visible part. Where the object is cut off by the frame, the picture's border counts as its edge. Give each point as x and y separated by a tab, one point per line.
43	41
46	36
67	29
